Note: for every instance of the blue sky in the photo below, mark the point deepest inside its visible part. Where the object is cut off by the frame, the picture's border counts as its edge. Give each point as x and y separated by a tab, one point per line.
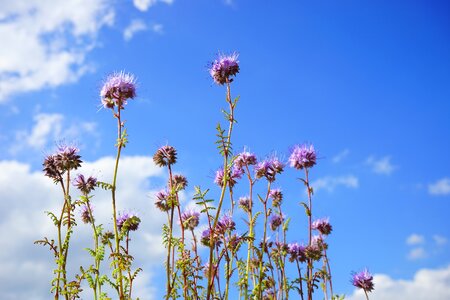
366	82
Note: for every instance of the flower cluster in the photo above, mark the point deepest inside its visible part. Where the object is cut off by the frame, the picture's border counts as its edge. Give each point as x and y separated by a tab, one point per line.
85	213
233	175
303	156
117	88
190	219
166	155
85	185
224	67
128	221
363	280
269	168
65	159
323	226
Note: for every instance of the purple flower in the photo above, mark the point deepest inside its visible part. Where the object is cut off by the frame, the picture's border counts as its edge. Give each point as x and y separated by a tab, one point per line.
85	186
206	237
233	175
245	203
117	88
85	215
269	168
225	224
276	221
245	159
166	155
190	219
323	226
128	221
303	156
363	280
277	196
297	252
162	200
65	159
179	182
224	67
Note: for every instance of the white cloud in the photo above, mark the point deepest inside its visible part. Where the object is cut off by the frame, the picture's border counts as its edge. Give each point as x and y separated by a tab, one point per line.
45	42
134	27
340	156
381	166
415	239
158	28
329	183
144	5
440	187
440	240
47	129
427	284
26	194
417	253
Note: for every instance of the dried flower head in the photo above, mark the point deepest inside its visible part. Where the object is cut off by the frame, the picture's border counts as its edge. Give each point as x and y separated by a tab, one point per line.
128	221
224	67
363	280
269	168
190	219
179	182
323	226
303	156
85	185
117	88
166	155
85	214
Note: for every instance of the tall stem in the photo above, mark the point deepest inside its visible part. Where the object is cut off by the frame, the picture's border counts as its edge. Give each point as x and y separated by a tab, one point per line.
113	194
226	153
97	261
310	261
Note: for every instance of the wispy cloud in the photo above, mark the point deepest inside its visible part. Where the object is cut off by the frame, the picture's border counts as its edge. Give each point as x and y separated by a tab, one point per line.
330	183
381	166
440	240
144	5
47	129
415	239
340	156
37	38
440	187
417	253
158	28
427	284
134	27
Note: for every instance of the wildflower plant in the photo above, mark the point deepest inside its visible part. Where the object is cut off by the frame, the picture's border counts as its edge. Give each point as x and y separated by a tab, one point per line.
210	253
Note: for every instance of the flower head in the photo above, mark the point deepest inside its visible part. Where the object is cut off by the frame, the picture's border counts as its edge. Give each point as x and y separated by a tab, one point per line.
245	203
190	219
225	224
206	237
128	221
85	185
277	196
224	67
179	182
233	175
276	221
162	200
297	252
303	156
269	168
166	155
363	280
117	88
323	226
66	158
85	214
245	159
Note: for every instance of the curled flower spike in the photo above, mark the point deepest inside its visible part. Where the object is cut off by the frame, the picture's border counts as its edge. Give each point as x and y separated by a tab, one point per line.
225	224
85	215
162	200
166	155
277	197
65	159
179	182
190	219
276	221
233	175
224	67
245	203
83	185
323	226
117	88
363	280
128	221
206	236
303	156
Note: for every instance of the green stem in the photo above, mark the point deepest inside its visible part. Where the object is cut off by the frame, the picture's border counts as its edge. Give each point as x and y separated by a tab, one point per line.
97	262
264	247
113	194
